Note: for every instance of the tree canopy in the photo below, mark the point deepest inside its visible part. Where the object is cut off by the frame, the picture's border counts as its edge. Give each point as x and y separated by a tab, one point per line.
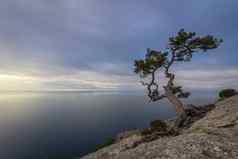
181	48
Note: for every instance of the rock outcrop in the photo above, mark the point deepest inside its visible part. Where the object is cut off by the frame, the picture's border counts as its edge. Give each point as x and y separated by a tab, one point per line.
215	136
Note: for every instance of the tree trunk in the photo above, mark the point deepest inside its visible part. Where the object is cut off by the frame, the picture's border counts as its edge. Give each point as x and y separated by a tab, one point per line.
179	107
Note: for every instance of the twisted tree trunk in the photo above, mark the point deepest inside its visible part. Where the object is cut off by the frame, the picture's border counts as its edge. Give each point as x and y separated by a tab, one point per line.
179	107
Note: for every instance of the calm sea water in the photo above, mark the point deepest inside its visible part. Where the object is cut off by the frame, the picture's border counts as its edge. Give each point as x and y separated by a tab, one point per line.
69	125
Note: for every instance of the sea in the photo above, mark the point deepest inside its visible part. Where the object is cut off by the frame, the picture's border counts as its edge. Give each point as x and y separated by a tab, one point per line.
68	125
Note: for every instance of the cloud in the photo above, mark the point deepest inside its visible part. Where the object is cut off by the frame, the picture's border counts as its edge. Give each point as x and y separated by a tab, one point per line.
90	80
66	81
91	44
209	79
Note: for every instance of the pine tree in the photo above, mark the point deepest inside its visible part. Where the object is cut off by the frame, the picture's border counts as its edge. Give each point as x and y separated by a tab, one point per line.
181	48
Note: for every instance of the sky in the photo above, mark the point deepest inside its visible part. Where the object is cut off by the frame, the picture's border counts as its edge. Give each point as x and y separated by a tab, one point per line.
61	45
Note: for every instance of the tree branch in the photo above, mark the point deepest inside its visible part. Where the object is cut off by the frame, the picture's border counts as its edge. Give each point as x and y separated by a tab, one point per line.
153	93
168	74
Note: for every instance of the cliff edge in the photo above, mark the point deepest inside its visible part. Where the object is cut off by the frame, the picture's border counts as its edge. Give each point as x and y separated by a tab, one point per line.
214	136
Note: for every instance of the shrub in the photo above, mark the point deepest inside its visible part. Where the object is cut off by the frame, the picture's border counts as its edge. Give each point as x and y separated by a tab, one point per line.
158	125
226	93
108	142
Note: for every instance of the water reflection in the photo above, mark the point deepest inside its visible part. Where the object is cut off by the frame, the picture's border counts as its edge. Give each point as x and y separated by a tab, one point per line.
65	125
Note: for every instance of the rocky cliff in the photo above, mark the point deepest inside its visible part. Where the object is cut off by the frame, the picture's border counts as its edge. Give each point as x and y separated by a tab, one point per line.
213	136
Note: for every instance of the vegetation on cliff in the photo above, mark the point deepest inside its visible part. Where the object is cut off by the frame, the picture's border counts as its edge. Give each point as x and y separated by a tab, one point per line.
181	48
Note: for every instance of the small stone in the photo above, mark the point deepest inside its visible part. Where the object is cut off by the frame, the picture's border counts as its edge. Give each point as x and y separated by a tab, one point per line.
216	148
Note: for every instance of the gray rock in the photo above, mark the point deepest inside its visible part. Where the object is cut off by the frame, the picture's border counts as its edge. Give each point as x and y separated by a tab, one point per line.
215	136
127	134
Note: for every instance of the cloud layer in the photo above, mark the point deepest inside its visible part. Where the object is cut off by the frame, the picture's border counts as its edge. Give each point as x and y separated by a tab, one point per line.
90	44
